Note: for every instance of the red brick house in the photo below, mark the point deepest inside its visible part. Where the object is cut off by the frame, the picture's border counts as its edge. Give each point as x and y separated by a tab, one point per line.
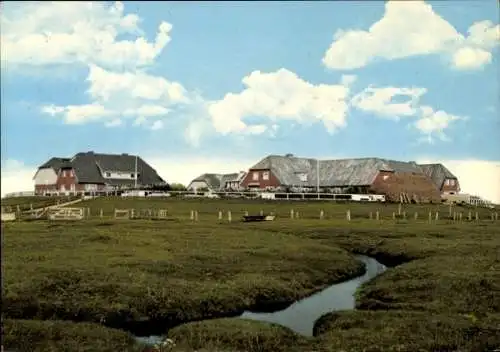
91	172
364	175
445	181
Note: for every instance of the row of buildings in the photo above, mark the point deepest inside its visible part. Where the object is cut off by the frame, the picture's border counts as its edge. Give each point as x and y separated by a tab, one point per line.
93	172
288	173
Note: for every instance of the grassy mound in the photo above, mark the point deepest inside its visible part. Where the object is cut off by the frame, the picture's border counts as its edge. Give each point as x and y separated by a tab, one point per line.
236	335
61	336
406	331
149	275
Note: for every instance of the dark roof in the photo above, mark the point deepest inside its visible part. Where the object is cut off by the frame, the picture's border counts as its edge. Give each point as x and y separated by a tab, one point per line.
437	173
332	173
56	163
89	168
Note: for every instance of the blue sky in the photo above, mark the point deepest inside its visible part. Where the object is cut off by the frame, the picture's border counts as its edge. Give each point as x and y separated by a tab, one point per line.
234	81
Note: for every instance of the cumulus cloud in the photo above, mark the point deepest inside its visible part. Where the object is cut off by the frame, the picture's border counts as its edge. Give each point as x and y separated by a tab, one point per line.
433	123
380	101
278	96
46	33
411	28
136	95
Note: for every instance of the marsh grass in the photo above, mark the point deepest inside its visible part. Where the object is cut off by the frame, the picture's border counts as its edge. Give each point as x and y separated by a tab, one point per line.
445	283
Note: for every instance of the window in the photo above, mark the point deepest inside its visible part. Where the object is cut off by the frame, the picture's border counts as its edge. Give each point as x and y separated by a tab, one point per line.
108	174
265	175
255	175
303	177
452	182
132	175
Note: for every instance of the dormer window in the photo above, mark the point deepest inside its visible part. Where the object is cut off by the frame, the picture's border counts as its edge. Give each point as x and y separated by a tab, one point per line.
108	174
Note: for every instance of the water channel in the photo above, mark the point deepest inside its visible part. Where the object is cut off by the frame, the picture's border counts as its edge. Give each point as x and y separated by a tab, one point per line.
301	315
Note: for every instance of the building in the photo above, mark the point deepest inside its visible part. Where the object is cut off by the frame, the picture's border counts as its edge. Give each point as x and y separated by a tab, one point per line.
91	172
365	175
217	182
445	181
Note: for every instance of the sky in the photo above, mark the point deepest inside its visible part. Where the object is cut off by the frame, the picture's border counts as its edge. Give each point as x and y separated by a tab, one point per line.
196	87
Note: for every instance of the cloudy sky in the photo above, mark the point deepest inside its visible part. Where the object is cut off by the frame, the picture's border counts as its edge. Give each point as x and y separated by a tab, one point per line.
214	87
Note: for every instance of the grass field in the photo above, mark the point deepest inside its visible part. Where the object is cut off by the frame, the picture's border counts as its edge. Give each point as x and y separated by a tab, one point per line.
443	295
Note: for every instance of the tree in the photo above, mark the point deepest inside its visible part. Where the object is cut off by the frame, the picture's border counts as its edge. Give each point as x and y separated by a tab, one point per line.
177	187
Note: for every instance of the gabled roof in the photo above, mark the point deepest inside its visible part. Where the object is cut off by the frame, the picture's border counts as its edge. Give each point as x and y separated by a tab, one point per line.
332	173
218	181
89	167
56	163
437	173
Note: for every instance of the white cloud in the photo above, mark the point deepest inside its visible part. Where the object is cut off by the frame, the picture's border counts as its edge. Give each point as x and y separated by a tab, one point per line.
433	123
16	177
380	101
45	33
477	177
145	98
280	95
107	86
469	58
411	28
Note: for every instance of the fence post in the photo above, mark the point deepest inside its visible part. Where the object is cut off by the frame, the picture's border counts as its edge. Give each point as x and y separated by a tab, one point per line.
220	215
477	216
437	215
18	209
229	216
416	215
430	216
321	214
261	212
192	215
88	212
469	217
31	206
404	215
371	216
393	216
399	209
460	217
348	215
291	214
101	213
377	215
196	215
496	216
297	214
246	212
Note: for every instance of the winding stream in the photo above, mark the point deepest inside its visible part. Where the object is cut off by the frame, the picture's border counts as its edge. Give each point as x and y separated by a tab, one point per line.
301	315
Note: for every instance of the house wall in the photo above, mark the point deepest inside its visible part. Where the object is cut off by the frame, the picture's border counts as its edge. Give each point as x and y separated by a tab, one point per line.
452	187
45	177
195	185
66	181
249	182
393	184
